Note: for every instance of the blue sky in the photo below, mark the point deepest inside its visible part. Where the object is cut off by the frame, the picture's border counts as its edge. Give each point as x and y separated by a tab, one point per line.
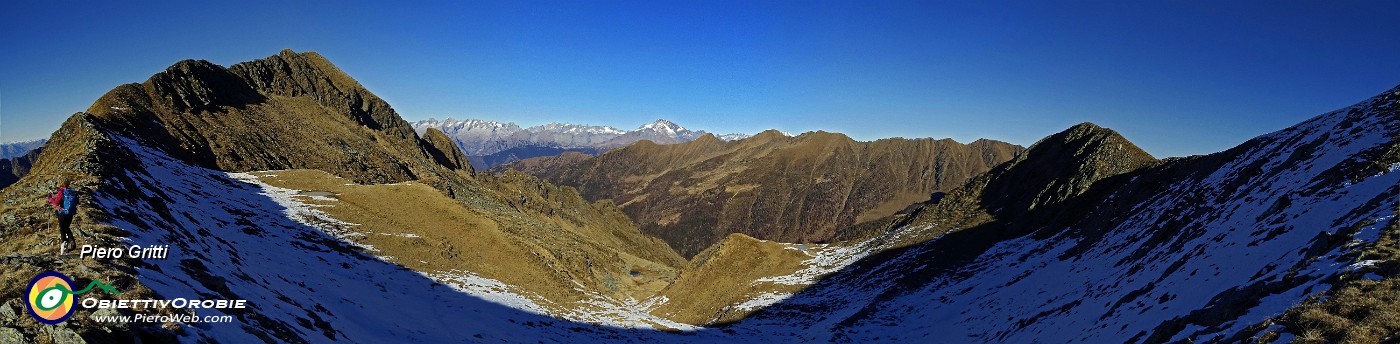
1178	77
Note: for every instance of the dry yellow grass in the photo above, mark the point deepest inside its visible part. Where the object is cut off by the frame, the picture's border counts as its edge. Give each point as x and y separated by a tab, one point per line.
809	188
422	229
1359	309
30	241
724	275
418	226
300	115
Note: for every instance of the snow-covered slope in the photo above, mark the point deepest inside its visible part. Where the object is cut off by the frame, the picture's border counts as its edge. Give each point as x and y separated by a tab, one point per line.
1188	250
1193	249
661	131
1080	238
305	278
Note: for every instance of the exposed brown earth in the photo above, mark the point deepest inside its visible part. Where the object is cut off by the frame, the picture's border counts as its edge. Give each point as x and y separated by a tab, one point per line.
808	188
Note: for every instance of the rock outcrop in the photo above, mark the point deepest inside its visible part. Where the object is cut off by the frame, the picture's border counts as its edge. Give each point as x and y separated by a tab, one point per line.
156	160
1085	238
291	110
12	169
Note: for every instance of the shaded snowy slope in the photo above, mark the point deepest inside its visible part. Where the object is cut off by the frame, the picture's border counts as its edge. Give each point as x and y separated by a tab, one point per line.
1188	249
150	166
1082	237
235	238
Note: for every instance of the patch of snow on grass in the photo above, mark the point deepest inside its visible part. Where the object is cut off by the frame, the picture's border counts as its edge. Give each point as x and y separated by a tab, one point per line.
487	289
761	301
303	212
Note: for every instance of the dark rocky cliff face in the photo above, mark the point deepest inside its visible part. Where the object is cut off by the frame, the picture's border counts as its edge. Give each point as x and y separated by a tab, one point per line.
445	151
13	168
199	85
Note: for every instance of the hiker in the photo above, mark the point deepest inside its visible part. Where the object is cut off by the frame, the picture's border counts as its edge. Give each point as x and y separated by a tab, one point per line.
66	201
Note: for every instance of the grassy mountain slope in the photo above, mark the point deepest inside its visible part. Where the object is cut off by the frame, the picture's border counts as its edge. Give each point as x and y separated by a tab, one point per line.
1083	238
725	274
807	188
297	111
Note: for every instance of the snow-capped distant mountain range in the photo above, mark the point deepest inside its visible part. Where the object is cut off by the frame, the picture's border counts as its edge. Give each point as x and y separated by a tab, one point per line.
1200	249
14	149
736	136
1082	237
489	143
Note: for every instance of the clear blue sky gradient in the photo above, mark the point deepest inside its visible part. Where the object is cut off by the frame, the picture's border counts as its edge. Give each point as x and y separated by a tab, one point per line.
1178	77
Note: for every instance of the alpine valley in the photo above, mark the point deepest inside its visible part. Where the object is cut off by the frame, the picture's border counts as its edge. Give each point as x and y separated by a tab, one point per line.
285	182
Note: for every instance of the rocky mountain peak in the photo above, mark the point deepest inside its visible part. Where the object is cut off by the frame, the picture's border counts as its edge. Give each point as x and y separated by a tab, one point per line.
664	126
827	137
768	135
292	74
190	172
1064	165
195	85
471	124
708	138
734	136
14	149
274	113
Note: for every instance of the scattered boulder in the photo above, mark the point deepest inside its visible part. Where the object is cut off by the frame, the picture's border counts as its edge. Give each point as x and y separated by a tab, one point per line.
10	313
11	335
64	335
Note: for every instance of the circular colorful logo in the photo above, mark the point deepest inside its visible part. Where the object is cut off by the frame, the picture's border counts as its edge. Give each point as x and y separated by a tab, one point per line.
50	297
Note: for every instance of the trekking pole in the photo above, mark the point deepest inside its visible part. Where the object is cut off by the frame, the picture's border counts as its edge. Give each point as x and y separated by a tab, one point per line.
62	245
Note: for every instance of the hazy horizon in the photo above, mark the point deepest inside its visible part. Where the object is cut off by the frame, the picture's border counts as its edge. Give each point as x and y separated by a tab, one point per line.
1177	79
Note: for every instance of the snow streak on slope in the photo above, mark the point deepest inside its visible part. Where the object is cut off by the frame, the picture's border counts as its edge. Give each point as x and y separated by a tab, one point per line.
827	259
598	309
231	239
1199	260
305	213
627	313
